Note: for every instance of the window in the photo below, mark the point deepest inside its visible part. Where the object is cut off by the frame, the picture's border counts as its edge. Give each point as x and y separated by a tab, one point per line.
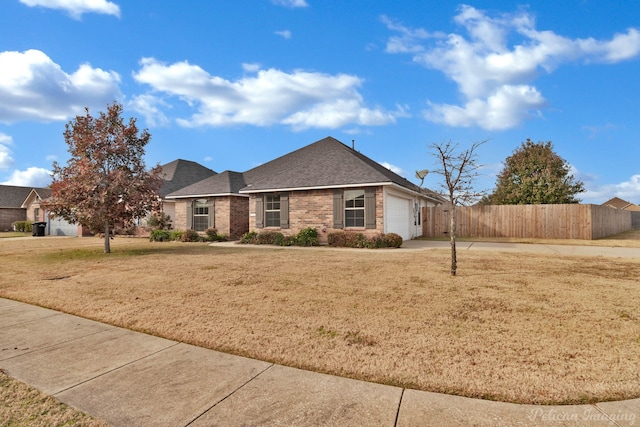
200	215
354	208
272	210
36	214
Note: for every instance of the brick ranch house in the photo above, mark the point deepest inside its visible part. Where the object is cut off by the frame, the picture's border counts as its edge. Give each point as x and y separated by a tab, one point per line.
11	199
23	204
325	185
56	226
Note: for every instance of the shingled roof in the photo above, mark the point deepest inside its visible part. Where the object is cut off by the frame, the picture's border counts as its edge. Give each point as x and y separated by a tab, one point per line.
324	163
13	196
182	173
222	184
618	203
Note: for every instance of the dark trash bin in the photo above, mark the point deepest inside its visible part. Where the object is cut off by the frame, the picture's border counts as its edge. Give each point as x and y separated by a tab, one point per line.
37	228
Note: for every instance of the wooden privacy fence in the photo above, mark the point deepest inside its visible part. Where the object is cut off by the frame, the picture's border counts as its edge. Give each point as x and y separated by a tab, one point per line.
571	221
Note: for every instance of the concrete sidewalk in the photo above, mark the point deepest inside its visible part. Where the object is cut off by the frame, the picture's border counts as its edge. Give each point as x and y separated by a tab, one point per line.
604	251
133	379
413	245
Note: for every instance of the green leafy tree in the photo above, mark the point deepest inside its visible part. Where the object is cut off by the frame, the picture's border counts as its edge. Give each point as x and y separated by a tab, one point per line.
535	174
105	182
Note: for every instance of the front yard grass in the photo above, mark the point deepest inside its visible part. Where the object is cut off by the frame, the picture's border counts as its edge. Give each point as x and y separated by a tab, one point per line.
24	406
515	327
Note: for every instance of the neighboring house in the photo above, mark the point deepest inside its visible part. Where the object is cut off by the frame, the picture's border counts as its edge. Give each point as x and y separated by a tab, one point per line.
215	202
618	203
179	174
23	203
56	226
11	210
325	185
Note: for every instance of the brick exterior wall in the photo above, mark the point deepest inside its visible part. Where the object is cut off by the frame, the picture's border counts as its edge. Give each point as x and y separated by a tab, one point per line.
179	221
10	215
231	215
314	208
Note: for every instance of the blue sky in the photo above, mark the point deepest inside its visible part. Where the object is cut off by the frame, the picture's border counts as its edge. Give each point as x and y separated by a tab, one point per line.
233	84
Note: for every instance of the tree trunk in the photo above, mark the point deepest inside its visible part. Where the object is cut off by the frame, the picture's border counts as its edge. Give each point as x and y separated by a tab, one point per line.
107	243
452	233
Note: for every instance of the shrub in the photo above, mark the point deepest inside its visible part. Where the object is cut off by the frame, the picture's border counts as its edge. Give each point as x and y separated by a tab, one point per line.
22	226
346	239
159	220
393	240
175	235
250	237
270	238
191	236
212	234
359	241
337	239
306	237
376	242
160	236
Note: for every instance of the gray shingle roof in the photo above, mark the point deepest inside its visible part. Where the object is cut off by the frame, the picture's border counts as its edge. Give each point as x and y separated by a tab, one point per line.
324	163
182	173
227	182
13	196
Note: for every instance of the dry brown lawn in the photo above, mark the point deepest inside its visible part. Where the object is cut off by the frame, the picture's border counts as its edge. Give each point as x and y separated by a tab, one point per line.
511	326
24	406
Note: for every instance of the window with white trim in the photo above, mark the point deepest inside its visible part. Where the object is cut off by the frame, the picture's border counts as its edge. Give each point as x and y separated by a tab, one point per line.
200	215
354	208
272	210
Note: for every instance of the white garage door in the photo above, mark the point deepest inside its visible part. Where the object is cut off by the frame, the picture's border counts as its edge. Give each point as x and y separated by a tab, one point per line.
60	227
398	216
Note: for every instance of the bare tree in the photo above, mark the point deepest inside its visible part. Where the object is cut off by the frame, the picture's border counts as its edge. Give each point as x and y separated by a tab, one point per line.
459	169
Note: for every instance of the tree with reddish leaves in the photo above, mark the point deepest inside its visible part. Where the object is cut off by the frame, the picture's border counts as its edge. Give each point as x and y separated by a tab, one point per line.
105	182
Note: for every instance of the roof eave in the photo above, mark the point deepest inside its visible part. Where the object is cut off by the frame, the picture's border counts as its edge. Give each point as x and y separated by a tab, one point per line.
315	187
415	193
191	196
326	187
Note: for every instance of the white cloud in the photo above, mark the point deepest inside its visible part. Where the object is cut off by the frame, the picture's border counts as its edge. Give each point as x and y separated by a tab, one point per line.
284	33
32	177
595	131
76	8
290	3
493	76
299	99
33	87
149	106
251	68
627	190
505	109
393	168
6	161
408	40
